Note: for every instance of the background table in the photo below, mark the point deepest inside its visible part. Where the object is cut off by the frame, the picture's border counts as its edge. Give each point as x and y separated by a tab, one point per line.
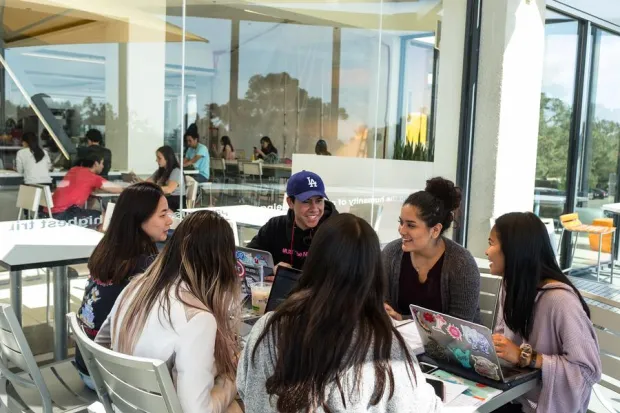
45	243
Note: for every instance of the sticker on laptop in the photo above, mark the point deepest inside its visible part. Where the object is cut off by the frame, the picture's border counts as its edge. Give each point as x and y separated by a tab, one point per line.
462	356
240	268
440	322
420	319
259	259
486	367
434	350
454	332
477	340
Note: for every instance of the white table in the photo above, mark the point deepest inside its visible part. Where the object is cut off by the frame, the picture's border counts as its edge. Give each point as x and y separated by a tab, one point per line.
246	215
45	243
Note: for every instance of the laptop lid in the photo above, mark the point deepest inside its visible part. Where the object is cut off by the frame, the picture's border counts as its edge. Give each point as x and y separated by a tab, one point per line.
285	281
249	264
461	343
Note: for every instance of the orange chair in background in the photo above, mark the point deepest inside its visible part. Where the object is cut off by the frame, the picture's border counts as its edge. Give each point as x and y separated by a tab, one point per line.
594	239
571	223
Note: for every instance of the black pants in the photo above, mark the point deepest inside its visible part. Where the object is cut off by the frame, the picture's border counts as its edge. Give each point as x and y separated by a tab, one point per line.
75	215
200	178
173	202
509	408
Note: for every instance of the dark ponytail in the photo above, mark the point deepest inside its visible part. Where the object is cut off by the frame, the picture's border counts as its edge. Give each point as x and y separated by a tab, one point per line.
33	143
437	202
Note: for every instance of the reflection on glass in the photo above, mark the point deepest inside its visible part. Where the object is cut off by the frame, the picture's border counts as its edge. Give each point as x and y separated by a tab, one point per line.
555	115
599	170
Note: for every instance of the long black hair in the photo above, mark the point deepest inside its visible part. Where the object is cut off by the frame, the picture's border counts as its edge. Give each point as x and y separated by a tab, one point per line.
437	203
528	260
124	242
270	146
321	148
33	143
226	141
163	174
332	319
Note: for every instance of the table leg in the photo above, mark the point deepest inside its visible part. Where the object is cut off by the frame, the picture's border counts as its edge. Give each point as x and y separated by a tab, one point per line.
16	294
61	308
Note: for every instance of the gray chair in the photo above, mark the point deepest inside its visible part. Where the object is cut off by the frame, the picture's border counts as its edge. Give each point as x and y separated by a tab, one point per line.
489	297
605	315
28	199
130	384
54	388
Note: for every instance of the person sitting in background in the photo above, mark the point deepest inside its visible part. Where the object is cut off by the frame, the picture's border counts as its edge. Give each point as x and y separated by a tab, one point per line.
77	186
266	148
543	321
94	141
228	152
348	356
141	218
33	162
198	156
168	176
288	237
424	267
321	148
180	311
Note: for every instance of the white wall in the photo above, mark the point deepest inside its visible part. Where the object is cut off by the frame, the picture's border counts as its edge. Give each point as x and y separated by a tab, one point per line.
354	181
507	114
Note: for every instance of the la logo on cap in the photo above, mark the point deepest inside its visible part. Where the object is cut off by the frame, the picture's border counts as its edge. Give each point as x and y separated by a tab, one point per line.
311	182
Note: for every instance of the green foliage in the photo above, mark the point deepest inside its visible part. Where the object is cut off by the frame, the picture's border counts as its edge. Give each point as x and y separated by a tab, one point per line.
409	152
553	139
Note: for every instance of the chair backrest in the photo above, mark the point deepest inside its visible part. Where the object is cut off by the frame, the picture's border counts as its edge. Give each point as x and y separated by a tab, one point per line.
15	350
107	217
218	164
253	168
489	297
28	198
605	316
46	198
191	191
369	212
240	154
130	384
569	221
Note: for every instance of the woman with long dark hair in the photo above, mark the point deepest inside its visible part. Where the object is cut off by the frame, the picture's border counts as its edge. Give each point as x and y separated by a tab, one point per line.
321	148
228	151
127	248
266	147
544	322
33	162
331	345
168	176
181	310
426	268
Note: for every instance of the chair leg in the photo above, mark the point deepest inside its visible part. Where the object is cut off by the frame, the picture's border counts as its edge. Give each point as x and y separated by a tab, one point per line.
612	253
47	308
598	263
560	243
574	248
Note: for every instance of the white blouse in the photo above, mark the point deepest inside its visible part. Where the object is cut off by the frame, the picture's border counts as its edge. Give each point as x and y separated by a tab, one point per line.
34	172
189	342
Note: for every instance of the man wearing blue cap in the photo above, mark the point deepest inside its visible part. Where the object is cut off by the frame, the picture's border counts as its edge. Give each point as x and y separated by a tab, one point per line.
288	237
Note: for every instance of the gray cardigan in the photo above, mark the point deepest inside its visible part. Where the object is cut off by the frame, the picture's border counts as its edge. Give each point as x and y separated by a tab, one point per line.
460	279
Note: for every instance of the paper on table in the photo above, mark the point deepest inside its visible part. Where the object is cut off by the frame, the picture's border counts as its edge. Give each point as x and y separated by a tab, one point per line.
410	334
475	394
452	390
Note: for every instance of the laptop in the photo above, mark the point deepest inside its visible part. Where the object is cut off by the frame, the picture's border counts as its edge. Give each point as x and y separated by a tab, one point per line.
250	263
465	349
284	282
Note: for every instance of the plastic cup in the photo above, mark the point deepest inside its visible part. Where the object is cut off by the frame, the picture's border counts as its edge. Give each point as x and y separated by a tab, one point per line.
260	296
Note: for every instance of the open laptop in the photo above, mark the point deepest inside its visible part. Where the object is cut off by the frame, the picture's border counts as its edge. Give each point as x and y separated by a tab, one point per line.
466	349
250	263
284	282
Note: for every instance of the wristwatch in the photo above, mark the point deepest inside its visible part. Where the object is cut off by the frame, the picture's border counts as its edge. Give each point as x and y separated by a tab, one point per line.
525	358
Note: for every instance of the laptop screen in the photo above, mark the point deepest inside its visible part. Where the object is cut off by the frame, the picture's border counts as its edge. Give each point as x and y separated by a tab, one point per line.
285	281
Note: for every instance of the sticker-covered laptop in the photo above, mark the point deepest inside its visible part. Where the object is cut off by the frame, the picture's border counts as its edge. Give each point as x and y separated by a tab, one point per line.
249	264
463	347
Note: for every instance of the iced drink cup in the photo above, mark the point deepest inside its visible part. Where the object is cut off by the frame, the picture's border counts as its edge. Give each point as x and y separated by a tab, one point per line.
260	296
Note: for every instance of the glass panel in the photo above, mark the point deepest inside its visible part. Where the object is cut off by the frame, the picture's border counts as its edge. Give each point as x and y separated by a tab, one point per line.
599	172
608	10
557	96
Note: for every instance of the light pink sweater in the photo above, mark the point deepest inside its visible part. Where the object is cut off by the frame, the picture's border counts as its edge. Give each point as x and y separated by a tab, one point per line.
565	337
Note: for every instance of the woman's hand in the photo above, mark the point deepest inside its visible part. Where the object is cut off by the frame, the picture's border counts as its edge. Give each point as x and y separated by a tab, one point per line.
392	313
506	349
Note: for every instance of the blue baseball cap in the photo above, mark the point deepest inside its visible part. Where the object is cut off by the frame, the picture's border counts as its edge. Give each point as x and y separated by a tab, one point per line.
304	185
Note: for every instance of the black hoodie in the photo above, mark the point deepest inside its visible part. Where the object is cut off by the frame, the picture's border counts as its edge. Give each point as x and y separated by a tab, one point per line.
286	244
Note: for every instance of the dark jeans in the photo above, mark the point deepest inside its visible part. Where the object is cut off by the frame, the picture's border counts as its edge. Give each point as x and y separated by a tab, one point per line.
75	215
509	408
200	178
